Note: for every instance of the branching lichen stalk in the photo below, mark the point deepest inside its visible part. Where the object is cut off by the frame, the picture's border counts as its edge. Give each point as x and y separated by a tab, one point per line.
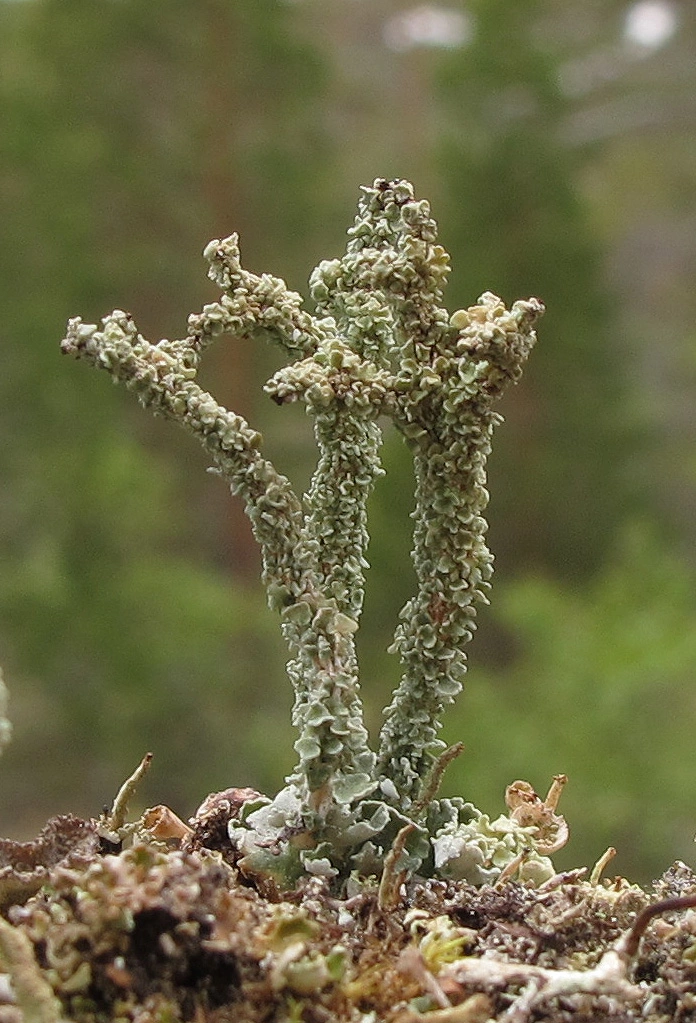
449	425
163	377
379	345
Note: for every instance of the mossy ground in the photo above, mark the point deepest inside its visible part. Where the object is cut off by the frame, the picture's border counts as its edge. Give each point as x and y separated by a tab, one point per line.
167	934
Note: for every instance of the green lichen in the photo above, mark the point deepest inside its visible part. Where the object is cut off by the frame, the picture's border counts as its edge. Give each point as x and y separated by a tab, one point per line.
379	345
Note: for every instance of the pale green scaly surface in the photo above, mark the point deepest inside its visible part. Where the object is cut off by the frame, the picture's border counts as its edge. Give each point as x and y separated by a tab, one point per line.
379	344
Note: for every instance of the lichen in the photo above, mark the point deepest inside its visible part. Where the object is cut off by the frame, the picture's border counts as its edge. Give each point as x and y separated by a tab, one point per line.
149	935
34	994
25	866
379	345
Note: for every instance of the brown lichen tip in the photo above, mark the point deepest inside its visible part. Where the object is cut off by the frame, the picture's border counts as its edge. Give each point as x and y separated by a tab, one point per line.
163	825
529	810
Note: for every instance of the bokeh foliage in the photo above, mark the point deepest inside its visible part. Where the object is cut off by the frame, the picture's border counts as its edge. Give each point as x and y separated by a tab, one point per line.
130	616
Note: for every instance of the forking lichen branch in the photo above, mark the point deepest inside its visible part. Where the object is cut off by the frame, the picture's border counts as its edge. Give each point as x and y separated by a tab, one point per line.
379	344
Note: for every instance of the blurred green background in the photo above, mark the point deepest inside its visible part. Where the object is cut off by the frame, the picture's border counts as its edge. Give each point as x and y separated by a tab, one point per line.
556	140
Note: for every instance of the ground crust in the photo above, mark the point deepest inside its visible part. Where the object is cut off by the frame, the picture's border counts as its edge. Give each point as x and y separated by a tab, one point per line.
157	933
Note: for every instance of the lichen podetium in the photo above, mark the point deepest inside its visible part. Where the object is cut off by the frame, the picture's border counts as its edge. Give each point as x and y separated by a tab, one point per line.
378	345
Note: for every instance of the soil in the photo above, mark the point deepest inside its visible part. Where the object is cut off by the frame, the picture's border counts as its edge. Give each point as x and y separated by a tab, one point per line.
168	930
